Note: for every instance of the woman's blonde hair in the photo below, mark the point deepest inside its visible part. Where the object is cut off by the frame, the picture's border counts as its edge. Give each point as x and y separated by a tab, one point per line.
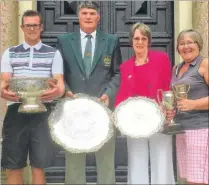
193	34
144	29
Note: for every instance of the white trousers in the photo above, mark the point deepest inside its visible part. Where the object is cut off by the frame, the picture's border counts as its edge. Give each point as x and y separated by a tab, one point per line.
159	148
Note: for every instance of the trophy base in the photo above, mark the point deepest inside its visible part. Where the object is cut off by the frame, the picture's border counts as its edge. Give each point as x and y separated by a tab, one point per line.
32	108
173	129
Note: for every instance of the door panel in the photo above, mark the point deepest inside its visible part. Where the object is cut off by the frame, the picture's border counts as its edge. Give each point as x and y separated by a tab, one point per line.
117	17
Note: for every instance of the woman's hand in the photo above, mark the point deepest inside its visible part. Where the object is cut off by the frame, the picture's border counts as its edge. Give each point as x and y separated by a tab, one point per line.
185	105
169	114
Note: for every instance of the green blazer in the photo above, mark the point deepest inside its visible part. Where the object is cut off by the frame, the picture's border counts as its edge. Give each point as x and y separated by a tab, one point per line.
105	72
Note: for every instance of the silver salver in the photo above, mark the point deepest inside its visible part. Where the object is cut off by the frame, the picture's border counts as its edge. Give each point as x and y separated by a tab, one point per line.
81	125
139	117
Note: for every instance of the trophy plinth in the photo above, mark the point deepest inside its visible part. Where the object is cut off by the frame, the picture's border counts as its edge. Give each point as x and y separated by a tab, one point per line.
29	89
173	129
168	103
32	105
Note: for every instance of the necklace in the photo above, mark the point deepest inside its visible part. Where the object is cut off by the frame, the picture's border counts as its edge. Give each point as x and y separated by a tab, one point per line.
138	63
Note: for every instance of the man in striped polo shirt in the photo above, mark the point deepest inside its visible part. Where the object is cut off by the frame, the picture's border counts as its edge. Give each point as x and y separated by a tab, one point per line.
23	133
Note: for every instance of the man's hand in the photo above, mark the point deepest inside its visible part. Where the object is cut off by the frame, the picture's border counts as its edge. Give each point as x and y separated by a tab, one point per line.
69	94
105	99
52	93
8	94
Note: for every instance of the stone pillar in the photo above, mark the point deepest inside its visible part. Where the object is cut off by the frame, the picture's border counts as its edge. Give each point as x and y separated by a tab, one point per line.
8	32
8	37
182	20
200	22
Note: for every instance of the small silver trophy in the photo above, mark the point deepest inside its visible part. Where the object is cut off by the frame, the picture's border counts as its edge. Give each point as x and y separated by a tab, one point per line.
29	89
168	103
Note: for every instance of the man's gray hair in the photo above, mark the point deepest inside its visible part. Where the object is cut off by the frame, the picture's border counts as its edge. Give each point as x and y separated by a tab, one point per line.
89	4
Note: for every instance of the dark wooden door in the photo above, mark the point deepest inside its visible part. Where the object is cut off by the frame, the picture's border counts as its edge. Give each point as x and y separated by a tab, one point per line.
116	17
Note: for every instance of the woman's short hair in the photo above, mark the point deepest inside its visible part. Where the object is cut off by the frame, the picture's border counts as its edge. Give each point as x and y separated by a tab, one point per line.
88	4
193	34
144	29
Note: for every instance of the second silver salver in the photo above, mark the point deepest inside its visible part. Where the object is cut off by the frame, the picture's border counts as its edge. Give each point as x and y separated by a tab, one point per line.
81	125
139	117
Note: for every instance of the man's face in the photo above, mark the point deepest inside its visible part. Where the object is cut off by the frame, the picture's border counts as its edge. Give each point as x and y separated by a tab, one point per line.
32	29
88	19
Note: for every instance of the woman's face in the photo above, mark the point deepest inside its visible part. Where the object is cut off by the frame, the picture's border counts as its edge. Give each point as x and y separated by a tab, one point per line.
188	49
140	42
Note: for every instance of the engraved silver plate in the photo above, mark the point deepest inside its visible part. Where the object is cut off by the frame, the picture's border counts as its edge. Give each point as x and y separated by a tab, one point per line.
81	125
139	117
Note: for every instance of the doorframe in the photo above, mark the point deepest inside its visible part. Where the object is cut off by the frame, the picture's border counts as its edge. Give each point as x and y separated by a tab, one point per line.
182	19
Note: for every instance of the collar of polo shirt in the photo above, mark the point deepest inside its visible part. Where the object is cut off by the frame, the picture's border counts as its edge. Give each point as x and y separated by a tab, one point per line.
37	46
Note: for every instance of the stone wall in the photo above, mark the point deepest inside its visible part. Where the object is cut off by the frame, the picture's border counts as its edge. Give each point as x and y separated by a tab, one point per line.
8	33
200	22
8	37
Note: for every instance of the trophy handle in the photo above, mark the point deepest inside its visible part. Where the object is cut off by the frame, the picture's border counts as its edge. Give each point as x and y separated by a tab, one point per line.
159	91
174	90
188	88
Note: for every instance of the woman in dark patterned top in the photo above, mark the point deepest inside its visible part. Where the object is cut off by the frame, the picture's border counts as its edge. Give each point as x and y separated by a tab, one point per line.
192	113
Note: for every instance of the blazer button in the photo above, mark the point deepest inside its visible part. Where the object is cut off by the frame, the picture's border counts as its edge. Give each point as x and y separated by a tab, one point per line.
83	79
149	85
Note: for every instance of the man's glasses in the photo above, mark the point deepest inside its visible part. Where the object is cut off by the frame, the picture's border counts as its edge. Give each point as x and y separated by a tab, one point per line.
29	26
186	44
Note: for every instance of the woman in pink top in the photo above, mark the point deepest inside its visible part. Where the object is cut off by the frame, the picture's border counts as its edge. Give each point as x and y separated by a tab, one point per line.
142	75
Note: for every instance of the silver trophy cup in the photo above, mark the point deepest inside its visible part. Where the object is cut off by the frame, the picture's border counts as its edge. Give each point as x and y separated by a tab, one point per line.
29	90
168	103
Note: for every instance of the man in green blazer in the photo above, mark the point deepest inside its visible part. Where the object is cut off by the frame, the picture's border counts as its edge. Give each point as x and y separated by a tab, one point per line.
91	66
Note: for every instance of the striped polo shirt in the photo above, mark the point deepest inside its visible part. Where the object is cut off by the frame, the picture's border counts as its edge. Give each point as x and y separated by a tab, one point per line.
39	60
